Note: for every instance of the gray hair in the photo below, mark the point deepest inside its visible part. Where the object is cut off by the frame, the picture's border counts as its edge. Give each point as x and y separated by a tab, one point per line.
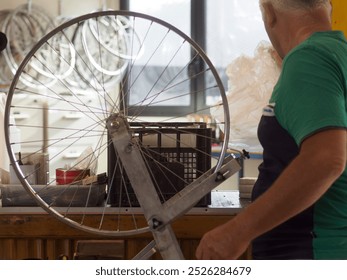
296	4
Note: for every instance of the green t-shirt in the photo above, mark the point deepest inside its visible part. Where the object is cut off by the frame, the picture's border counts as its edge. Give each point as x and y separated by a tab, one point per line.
311	96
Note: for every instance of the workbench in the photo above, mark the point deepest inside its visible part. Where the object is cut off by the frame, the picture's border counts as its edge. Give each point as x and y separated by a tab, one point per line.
31	233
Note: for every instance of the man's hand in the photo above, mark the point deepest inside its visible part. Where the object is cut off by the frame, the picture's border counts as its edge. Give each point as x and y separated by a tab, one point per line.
221	243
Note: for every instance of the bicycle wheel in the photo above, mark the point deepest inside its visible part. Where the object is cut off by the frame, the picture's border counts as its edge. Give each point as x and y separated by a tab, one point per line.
65	130
24	26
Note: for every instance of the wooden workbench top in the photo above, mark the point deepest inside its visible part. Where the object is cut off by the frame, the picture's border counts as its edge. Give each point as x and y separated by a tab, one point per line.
223	203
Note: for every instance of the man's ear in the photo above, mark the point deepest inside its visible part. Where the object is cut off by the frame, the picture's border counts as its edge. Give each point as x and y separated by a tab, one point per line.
269	14
331	9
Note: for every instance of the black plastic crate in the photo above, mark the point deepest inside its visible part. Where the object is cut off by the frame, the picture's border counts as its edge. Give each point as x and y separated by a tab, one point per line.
188	163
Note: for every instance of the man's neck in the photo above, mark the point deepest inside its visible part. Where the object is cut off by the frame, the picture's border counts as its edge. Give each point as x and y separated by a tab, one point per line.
301	28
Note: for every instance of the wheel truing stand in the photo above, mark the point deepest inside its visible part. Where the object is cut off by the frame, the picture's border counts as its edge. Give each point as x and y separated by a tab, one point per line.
160	215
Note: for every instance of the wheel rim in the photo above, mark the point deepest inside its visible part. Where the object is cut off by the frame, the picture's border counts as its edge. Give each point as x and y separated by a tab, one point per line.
72	118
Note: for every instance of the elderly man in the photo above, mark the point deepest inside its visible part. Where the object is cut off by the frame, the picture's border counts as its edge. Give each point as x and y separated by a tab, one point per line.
299	208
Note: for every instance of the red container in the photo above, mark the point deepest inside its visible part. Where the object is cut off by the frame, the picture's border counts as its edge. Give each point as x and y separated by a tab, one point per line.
65	177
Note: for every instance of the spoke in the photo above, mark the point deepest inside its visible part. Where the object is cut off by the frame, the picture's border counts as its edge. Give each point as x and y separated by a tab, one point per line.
91	75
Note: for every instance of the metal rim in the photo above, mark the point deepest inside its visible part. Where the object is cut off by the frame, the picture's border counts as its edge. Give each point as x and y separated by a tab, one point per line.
11	103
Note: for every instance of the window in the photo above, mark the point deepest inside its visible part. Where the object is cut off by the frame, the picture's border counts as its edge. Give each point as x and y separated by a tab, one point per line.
225	29
233	28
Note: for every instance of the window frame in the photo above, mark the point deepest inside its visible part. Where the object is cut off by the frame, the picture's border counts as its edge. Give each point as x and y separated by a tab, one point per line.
198	34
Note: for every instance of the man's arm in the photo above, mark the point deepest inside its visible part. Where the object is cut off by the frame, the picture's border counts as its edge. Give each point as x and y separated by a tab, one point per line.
321	161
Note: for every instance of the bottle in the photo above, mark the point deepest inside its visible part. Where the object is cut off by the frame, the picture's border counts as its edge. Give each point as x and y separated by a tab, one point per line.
14	134
4	160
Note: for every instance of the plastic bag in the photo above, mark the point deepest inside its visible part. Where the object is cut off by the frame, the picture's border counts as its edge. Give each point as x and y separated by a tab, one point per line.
250	84
87	160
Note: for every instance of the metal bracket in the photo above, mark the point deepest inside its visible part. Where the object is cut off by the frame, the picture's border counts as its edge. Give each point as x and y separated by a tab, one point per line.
160	215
